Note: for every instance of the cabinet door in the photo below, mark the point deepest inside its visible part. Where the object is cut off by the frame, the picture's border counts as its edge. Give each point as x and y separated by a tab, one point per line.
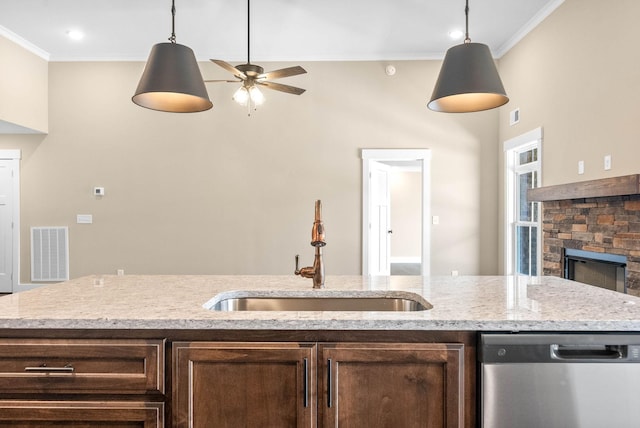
391	385
234	385
38	414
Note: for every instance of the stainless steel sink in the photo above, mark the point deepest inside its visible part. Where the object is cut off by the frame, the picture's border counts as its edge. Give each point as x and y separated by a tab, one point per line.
309	303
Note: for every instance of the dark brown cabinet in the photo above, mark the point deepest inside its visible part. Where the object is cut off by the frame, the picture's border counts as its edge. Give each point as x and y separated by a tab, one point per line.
82	383
318	384
219	379
232	385
391	385
81	366
32	414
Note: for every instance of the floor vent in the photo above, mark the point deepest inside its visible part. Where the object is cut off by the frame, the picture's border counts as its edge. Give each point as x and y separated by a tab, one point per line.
49	254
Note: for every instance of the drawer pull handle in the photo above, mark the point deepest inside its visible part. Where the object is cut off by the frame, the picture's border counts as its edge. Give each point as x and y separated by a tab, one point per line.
46	369
305	382
329	383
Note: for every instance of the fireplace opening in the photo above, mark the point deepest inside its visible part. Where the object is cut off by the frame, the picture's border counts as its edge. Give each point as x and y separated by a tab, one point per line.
602	270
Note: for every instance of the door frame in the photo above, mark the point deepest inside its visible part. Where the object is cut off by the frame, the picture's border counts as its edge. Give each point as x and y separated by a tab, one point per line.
14	156
423	156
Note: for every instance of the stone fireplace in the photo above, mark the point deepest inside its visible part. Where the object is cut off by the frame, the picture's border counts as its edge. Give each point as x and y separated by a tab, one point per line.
598	216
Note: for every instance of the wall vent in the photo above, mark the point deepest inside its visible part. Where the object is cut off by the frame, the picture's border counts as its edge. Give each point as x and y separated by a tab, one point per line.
49	254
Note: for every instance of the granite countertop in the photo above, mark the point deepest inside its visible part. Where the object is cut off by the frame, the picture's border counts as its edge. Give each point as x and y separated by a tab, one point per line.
504	303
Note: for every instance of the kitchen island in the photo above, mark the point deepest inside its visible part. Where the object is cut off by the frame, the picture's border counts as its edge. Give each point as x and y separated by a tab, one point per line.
146	350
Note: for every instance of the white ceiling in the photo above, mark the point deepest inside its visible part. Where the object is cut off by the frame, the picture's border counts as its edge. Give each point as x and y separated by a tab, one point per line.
281	30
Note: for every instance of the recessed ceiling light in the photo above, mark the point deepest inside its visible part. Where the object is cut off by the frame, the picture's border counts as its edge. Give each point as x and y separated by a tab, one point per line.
75	34
456	34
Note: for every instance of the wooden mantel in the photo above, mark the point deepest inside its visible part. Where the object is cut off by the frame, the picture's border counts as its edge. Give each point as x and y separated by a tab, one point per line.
615	186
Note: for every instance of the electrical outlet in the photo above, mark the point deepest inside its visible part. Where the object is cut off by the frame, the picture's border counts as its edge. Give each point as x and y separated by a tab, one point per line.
454	273
580	167
607	162
120	272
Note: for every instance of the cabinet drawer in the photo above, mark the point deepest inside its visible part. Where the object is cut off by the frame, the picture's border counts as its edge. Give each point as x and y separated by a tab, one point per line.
81	366
81	413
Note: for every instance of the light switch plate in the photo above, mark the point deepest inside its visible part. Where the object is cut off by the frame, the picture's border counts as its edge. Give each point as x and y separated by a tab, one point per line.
84	219
514	116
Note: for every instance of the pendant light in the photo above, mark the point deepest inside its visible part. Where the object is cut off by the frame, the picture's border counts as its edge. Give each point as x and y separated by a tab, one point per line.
171	80
468	80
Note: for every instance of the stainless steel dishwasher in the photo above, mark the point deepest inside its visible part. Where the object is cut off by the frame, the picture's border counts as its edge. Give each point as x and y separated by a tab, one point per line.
559	380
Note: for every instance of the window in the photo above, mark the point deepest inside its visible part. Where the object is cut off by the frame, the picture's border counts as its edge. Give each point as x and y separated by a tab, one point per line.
523	233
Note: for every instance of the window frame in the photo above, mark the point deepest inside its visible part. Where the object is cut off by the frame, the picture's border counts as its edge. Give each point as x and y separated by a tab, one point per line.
513	148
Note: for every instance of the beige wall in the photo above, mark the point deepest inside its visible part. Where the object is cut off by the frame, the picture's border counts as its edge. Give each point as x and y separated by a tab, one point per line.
23	87
577	76
222	193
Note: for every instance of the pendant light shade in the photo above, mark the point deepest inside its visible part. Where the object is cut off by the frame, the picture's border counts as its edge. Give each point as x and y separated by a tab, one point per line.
172	81
468	80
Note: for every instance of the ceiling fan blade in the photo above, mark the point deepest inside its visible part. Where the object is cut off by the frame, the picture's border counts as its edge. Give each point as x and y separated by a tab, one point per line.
283	72
228	81
282	88
230	68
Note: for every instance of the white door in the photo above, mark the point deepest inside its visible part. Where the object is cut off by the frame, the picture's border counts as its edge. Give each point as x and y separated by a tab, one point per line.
6	225
376	242
380	226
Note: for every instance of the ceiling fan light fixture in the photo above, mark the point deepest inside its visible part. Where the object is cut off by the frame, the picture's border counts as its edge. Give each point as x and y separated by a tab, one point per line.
468	80
171	80
256	95
241	96
249	93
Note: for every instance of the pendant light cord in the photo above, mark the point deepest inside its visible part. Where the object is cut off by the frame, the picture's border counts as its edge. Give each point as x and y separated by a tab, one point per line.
467	39
172	39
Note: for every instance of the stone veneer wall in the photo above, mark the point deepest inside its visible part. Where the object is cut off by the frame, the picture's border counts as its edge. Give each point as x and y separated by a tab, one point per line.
604	225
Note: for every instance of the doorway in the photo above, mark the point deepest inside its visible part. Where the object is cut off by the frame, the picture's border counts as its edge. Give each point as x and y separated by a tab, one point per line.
9	219
382	171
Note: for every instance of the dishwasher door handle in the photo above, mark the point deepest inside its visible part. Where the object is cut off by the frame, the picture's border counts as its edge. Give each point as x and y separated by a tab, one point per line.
588	352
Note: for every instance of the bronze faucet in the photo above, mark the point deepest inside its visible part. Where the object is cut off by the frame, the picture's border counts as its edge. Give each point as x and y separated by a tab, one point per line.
317	240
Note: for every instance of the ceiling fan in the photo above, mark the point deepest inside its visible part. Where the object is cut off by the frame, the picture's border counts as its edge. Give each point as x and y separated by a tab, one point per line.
252	76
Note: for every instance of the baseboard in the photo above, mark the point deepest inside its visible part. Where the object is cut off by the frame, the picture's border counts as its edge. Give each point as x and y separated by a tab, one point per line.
27	287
